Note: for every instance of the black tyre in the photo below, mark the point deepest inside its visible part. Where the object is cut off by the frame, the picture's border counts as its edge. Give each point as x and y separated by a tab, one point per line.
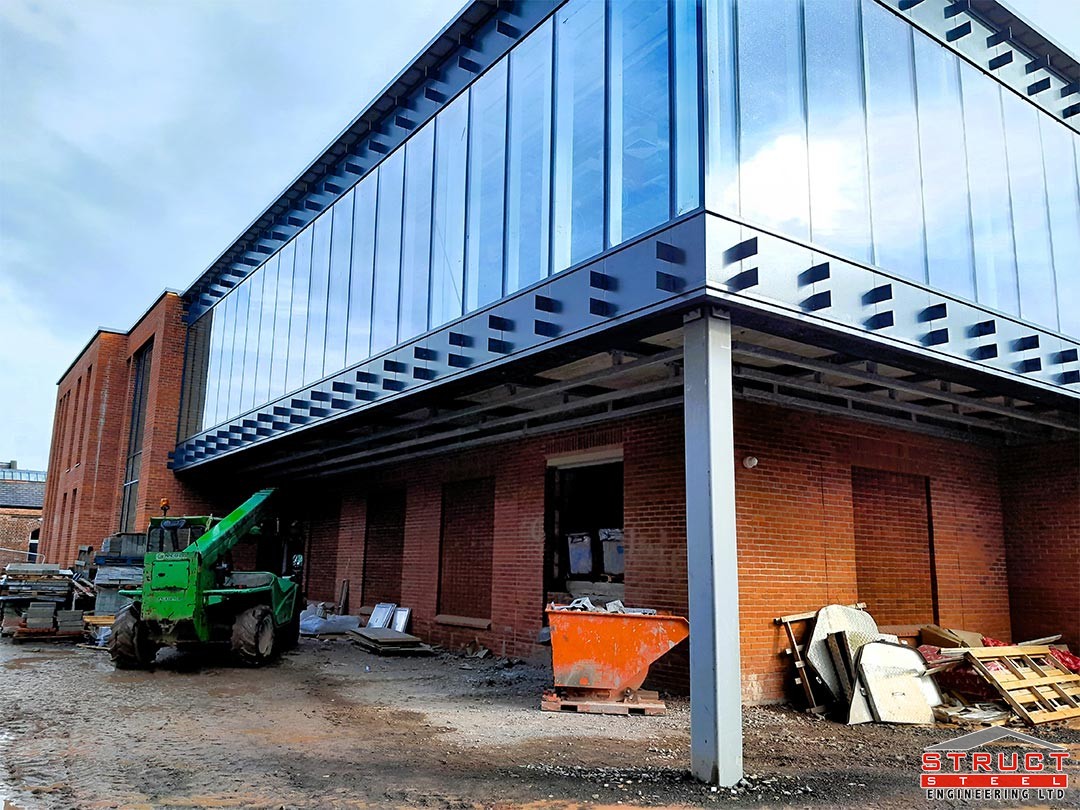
130	644
253	635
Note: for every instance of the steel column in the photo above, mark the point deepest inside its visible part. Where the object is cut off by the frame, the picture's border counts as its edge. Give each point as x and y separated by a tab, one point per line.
715	678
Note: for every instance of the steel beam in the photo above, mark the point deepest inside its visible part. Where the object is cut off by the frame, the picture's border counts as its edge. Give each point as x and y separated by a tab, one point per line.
712	561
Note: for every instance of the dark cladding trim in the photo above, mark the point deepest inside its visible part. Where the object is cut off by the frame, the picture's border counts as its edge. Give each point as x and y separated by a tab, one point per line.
1029	36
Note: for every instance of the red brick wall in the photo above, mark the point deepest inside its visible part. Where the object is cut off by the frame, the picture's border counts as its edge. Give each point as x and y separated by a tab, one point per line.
15	528
90	442
892	545
1041	492
384	547
468	523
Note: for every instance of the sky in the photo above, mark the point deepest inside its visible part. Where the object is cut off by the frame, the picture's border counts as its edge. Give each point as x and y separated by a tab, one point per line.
138	138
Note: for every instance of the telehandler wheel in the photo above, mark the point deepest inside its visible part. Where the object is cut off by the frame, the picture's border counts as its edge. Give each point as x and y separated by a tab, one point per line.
288	635
130	645
253	635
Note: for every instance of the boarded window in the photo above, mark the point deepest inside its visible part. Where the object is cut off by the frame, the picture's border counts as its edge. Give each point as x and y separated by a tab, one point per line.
384	545
893	552
468	537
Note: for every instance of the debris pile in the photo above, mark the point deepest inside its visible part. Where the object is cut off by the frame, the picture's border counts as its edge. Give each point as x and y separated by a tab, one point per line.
31	594
846	666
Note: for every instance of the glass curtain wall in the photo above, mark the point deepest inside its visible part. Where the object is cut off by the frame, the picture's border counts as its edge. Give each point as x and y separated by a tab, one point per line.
585	135
837	122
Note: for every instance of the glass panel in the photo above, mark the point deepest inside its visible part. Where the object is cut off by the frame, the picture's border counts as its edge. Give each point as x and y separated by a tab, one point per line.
265	348
895	199
416	234
384	311
579	133
687	120
722	132
298	320
949	256
242	294
836	126
640	120
337	299
1062	188
988	176
772	124
254	329
358	345
213	374
448	218
487	164
282	316
528	203
320	276
1031	227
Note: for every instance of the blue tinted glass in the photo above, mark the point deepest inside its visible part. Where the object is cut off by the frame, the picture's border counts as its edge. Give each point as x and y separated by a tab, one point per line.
579	133
640	121
416	234
487	164
320	275
242	294
896	202
1031	226
988	176
721	108
337	298
1062	190
836	128
282	316
448	217
528	202
358	345
265	348
228	328
254	332
299	318
384	310
773	172
687	121
213	373
949	255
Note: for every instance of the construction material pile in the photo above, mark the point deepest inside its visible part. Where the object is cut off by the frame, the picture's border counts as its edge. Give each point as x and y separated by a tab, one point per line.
31	593
846	666
385	633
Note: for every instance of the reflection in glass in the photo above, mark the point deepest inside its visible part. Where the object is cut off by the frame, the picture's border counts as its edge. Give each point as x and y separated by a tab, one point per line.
1062	190
265	345
320	275
896	203
254	330
416	234
213	367
988	177
836	127
448	216
1031	226
945	183
579	134
358	343
487	163
299	318
242	296
687	119
384	310
337	297
528	201
640	122
282	316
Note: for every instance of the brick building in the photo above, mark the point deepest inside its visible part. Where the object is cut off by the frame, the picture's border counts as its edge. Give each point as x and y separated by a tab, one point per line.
22	494
603	299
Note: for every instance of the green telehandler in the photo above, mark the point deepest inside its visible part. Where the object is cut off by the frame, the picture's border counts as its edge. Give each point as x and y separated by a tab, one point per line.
190	597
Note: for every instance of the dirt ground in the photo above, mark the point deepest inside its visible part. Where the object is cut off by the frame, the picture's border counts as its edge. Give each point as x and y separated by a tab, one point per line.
330	726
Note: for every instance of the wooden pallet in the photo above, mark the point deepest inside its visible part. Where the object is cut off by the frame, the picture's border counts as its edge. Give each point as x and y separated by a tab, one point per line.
643	703
1032	681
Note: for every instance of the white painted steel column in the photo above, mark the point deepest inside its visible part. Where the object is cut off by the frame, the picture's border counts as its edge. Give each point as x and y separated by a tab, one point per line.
715	678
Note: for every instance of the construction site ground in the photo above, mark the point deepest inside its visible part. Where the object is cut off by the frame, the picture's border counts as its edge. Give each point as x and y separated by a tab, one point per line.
331	726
